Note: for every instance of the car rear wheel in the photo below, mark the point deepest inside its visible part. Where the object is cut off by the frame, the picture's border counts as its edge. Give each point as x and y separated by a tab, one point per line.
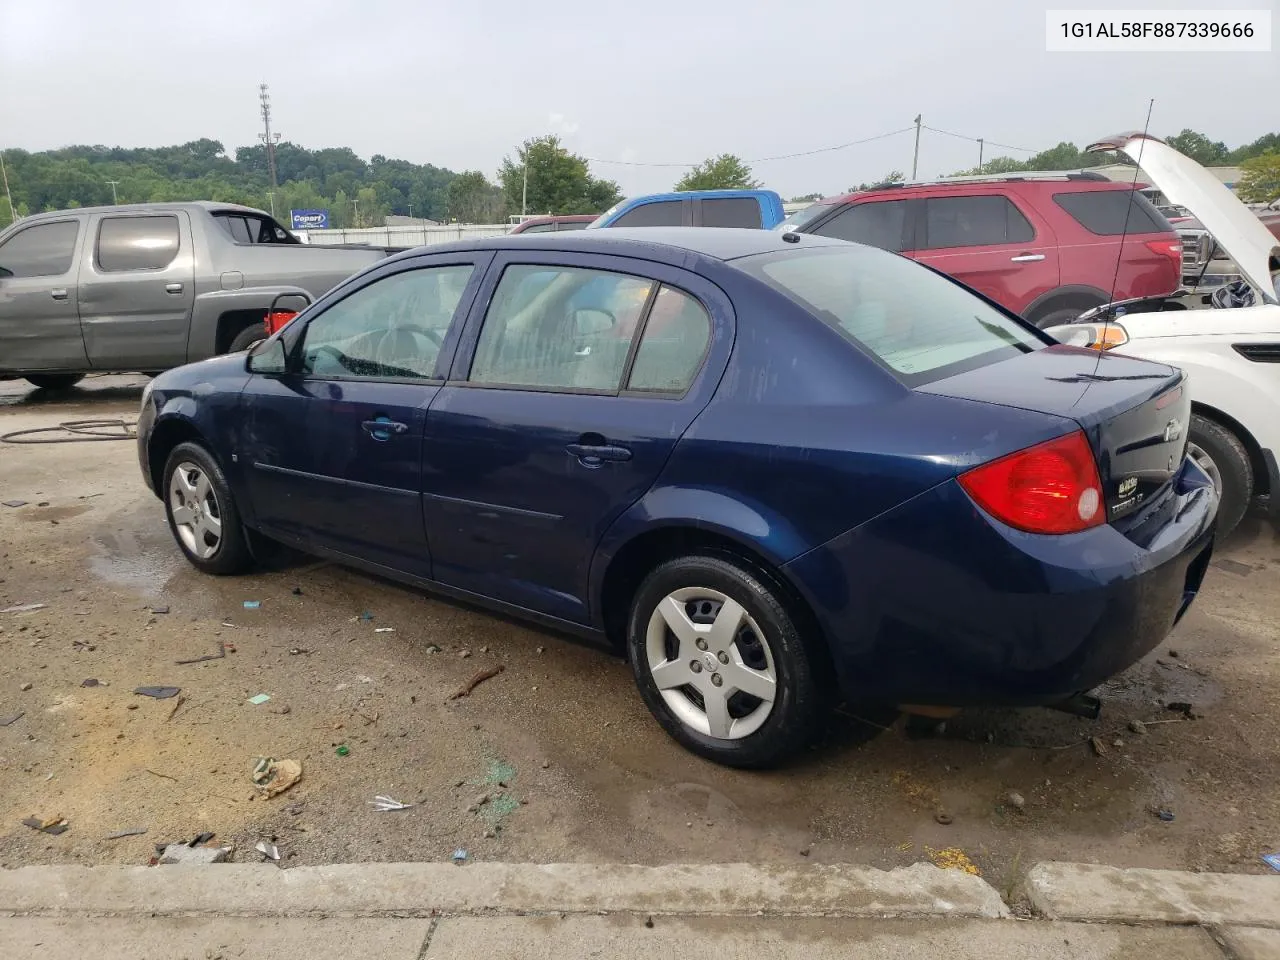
53	381
1220	454
202	514
247	337
721	664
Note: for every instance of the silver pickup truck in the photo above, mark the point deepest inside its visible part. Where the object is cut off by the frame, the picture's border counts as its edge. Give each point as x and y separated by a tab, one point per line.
150	286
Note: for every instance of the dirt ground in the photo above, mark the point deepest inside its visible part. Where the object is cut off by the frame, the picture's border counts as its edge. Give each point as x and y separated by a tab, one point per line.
573	767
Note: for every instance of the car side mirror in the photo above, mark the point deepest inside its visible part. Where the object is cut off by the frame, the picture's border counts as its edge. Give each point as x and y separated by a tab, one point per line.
267	356
588	321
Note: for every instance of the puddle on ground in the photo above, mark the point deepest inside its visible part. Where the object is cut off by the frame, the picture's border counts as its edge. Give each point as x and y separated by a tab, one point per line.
126	559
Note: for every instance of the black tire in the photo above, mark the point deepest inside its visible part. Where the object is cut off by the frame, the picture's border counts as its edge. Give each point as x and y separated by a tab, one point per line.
53	381
247	337
798	706
231	554
1052	316
1224	458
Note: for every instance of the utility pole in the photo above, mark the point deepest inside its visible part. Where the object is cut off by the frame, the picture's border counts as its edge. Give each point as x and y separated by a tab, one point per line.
267	136
13	214
524	194
271	198
980	144
114	199
355	212
915	157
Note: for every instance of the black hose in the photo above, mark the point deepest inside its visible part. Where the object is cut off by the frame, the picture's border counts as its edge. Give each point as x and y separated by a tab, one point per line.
81	431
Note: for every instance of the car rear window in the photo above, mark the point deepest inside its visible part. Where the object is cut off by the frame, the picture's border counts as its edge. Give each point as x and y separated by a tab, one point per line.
919	324
879	223
137	243
973	221
731	212
659	213
1101	212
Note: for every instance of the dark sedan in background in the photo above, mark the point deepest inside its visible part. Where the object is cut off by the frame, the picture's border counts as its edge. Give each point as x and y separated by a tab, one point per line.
774	469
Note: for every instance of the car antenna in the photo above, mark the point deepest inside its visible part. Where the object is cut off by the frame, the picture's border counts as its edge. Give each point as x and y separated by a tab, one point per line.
1124	232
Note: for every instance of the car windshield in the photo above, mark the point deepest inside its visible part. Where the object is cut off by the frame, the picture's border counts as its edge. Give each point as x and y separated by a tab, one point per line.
802	218
918	323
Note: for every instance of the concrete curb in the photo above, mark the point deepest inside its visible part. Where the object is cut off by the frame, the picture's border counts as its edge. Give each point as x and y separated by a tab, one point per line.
422	889
1082	891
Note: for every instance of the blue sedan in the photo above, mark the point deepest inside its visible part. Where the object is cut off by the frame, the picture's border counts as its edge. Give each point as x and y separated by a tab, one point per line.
775	470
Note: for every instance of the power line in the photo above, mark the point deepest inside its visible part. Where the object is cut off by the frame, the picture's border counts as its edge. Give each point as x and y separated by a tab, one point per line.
961	136
782	156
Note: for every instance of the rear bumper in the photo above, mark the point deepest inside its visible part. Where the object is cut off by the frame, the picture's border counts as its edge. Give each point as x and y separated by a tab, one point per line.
935	602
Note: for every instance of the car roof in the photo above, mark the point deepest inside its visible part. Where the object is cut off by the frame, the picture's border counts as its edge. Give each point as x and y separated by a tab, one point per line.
700	194
208	205
989	186
664	244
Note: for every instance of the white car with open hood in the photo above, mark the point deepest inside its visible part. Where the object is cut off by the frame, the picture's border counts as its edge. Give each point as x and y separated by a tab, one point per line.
1231	352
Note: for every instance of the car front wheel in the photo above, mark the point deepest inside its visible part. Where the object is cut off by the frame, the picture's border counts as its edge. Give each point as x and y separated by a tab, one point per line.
202	514
1220	454
721	664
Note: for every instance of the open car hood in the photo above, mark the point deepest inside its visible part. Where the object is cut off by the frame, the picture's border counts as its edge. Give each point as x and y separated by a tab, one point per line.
1184	182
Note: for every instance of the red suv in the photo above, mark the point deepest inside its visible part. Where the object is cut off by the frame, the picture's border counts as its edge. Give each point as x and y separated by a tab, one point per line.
1042	246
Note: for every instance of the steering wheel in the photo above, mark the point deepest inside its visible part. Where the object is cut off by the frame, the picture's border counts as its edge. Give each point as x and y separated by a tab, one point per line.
432	335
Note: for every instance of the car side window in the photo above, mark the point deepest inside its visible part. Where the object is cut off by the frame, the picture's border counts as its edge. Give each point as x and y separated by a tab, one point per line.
539	228
559	328
731	212
674	342
137	243
393	328
658	213
42	250
974	222
877	223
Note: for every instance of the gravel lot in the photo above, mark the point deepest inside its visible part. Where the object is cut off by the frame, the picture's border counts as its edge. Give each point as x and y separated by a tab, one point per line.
569	763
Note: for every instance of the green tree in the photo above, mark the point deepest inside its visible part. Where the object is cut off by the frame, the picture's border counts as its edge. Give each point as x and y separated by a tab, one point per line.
473	199
1199	148
1260	182
807	198
1264	144
559	182
893	176
725	172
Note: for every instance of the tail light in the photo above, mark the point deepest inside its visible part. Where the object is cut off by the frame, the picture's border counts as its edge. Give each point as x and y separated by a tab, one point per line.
278	318
1168	248
1052	487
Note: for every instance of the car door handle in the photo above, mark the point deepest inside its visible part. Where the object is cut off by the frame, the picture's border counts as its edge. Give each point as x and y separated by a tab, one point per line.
174	288
383	429
592	455
1027	258
59	294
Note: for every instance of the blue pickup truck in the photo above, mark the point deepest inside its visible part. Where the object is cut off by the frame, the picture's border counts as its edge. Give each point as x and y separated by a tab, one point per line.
761	209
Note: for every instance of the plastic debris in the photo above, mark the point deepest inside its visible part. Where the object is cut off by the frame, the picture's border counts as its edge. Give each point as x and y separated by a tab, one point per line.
51	825
479	678
252	604
159	693
460	856
160	609
274	777
259	699
222	652
298	651
121	834
342	750
15	503
384	629
1165	815
24	608
384	804
268	850
1272	860
366	615
12	718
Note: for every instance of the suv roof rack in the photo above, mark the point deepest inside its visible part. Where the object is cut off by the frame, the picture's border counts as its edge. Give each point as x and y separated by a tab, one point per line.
1016	177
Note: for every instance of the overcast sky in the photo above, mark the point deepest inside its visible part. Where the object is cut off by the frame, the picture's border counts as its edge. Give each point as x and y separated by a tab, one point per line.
458	84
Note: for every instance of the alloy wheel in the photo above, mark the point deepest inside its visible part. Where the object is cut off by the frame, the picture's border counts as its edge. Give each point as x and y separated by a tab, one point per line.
194	507
1205	462
711	663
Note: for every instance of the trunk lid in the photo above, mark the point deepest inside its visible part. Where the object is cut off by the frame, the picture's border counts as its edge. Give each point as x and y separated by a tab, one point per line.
1134	413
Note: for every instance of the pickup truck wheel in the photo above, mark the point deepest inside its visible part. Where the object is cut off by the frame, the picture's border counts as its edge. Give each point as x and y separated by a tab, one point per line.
1056	315
202	514
1220	454
53	381
247	337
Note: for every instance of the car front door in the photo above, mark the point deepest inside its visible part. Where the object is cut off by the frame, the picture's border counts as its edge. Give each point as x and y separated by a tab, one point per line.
658	213
39	320
334	446
136	291
988	243
563	405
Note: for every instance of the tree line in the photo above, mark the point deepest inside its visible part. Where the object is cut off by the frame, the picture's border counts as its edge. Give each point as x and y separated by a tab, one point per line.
540	176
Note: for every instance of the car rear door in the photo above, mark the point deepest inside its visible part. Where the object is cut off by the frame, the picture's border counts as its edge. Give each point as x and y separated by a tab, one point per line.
137	287
990	243
334	446
39	320
727	212
566	399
